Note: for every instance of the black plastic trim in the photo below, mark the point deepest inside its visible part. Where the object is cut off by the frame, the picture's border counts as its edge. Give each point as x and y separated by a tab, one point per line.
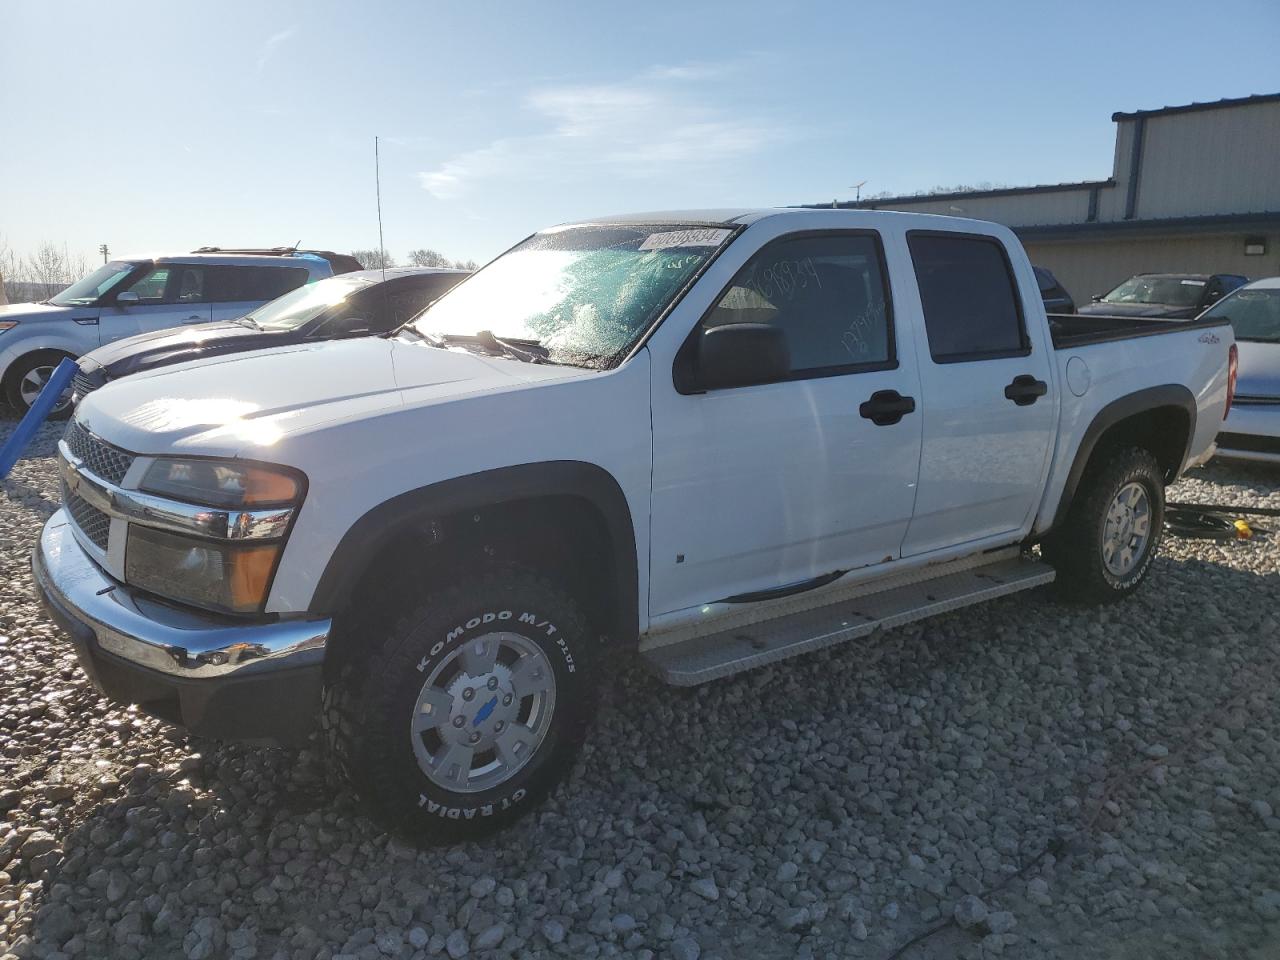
683	376
1251	443
369	535
788	590
1118	410
1131	328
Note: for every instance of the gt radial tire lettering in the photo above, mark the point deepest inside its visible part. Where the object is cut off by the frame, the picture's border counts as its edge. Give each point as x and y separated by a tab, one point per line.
469	813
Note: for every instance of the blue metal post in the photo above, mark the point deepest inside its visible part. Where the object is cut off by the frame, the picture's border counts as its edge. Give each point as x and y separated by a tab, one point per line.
28	425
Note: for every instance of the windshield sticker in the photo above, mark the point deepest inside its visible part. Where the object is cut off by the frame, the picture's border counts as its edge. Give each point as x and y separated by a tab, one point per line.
684	238
1193	283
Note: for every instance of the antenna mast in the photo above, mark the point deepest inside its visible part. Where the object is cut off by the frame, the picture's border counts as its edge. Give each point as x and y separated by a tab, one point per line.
377	180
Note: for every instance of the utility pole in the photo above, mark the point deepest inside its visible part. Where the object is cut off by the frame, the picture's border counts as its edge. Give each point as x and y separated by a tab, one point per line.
104	250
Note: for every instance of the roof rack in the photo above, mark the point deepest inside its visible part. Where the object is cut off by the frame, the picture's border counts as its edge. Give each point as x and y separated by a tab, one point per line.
341	262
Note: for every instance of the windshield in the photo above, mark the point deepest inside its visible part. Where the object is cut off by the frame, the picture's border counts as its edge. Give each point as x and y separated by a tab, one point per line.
585	294
1175	291
95	285
1254	314
306	303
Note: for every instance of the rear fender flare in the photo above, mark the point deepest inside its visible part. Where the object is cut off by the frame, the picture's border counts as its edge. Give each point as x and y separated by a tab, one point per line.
1117	411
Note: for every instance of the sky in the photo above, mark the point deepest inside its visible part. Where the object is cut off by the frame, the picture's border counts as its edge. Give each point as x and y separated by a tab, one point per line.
165	126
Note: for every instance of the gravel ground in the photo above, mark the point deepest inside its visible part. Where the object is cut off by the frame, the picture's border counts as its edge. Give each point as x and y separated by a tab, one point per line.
1023	779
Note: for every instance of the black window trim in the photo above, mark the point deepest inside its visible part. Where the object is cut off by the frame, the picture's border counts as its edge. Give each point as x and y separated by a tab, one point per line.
682	372
974	357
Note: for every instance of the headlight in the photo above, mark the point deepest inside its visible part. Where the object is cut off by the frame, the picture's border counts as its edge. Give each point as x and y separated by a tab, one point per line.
222	483
230	575
7	325
216	575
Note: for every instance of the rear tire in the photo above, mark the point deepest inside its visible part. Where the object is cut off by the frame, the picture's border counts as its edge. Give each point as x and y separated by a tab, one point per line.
27	375
1113	528
469	710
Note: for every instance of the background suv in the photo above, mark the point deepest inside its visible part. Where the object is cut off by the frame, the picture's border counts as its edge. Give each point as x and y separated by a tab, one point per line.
139	295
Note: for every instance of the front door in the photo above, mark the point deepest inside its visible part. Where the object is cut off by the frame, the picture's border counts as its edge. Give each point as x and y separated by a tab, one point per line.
169	295
989	415
778	485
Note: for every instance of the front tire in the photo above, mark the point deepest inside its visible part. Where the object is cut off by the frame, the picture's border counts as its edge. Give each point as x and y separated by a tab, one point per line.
1113	529
469	711
27	377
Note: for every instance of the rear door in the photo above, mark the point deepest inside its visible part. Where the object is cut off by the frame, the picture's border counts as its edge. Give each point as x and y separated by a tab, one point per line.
237	290
989	416
169	295
778	485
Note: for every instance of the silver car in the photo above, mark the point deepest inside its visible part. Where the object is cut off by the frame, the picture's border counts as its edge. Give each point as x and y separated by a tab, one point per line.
123	298
1252	429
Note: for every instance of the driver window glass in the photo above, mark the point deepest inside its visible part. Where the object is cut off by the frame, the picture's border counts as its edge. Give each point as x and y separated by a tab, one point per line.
151	285
827	293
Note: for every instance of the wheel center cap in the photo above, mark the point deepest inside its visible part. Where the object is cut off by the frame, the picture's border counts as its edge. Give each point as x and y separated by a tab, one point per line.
482	708
483	713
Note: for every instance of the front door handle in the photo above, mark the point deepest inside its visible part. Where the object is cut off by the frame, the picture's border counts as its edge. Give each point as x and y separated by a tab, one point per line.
886	407
1025	390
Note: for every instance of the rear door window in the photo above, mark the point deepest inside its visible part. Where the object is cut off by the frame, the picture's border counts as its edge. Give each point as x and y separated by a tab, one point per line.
969	297
230	284
827	292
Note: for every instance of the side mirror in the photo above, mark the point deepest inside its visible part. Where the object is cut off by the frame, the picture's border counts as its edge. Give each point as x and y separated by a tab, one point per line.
127	297
1097	297
742	354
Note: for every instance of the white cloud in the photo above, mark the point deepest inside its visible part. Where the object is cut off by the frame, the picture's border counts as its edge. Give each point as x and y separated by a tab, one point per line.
656	125
269	46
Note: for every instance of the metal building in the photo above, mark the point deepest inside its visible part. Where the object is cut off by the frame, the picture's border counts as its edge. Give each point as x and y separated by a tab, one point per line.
1193	189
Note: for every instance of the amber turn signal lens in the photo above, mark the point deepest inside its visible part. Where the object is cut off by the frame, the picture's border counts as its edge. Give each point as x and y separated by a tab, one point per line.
250	573
267	486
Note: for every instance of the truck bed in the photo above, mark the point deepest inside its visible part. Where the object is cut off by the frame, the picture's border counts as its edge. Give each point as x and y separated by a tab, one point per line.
1070	330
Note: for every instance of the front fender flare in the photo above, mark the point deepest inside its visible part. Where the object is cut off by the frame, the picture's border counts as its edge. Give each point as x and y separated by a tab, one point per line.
361	544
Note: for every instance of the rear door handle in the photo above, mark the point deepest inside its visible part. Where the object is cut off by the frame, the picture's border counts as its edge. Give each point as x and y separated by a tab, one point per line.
885	407
1025	390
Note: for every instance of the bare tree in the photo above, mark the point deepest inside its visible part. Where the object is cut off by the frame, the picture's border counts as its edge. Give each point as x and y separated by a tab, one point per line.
374	259
48	265
465	265
423	257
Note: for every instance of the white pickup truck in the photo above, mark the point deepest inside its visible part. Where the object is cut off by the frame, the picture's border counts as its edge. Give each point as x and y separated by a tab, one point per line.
718	438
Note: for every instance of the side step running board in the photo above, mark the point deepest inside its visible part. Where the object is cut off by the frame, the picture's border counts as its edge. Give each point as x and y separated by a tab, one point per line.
731	651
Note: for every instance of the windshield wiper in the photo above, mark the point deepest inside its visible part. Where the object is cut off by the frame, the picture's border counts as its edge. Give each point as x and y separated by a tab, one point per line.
247	321
528	351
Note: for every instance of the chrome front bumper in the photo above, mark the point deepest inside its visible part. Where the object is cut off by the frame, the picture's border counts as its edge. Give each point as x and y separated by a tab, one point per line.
214	672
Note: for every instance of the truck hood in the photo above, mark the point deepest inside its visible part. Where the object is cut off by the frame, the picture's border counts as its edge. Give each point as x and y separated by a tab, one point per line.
38	311
1259	372
1165	311
242	405
174	345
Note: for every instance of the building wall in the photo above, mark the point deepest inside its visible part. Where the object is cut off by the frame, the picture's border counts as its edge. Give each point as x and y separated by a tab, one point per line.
1093	266
1210	162
1201	163
1058	206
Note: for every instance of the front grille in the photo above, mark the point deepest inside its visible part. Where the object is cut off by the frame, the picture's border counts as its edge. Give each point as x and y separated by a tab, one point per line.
1248	442
85	383
95	524
99	457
